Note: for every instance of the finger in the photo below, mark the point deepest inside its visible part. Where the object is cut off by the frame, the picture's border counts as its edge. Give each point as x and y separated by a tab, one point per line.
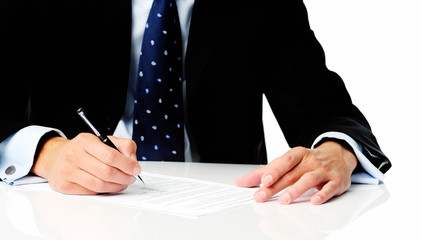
319	187
60	183
306	182
251	179
126	146
70	188
94	184
280	166
291	177
108	155
104	172
329	190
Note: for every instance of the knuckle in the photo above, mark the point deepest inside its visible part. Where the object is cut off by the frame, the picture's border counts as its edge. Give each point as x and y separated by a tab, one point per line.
343	184
97	185
338	182
123	144
290	161
129	143
82	137
133	145
68	155
63	187
289	179
106	172
271	192
300	149
293	191
314	162
109	155
63	170
338	187
346	185
311	176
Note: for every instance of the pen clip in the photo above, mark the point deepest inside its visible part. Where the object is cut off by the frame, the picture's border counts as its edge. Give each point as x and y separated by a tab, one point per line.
96	132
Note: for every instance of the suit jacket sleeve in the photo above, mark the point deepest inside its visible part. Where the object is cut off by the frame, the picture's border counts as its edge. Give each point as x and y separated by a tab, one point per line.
15	56
314	100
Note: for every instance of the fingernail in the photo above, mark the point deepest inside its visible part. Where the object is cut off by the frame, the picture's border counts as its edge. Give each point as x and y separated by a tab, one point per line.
285	199
316	200
268	180
261	196
133	157
137	170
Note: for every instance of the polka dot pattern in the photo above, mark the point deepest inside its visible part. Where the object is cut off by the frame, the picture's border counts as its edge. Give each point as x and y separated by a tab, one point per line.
158	114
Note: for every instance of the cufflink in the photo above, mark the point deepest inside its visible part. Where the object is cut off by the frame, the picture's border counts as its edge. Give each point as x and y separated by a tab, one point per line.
10	170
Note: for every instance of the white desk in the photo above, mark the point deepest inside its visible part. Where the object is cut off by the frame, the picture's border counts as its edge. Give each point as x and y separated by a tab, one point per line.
26	214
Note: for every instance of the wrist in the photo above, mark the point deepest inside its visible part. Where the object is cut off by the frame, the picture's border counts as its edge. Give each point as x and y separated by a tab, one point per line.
47	151
346	154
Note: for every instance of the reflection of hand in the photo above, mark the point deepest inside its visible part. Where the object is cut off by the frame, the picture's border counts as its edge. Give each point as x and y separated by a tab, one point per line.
303	221
327	167
85	165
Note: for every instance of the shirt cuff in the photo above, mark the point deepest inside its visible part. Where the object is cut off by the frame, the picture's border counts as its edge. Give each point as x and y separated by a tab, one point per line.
17	154
372	175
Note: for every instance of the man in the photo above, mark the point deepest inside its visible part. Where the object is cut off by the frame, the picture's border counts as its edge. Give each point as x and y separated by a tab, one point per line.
58	56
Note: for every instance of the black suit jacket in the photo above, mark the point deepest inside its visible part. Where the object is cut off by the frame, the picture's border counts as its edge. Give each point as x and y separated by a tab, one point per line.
57	56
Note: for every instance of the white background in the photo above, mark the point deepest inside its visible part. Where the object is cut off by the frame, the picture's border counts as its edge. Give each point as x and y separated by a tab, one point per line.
376	47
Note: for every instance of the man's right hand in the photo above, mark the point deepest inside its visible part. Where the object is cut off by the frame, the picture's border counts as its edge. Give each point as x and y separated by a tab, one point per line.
85	165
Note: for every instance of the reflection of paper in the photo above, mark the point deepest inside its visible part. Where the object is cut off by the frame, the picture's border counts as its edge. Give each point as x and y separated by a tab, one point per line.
175	195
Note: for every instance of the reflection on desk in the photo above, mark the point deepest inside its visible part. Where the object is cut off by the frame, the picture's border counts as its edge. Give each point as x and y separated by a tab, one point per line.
303	220
26	214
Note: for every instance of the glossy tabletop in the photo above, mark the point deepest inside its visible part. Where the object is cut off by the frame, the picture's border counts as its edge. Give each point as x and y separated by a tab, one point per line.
364	209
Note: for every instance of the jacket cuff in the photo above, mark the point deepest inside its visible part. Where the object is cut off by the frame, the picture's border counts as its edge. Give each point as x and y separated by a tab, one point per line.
372	174
17	153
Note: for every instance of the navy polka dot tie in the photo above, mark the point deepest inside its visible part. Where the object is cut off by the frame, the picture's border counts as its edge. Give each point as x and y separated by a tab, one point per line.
158	113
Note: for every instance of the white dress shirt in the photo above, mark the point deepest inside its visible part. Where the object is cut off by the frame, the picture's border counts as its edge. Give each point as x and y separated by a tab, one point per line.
16	161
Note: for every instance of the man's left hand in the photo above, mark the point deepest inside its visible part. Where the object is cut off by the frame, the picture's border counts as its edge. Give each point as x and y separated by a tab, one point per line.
327	168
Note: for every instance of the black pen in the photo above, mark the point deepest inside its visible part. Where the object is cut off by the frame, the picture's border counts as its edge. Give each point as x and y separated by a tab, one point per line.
103	138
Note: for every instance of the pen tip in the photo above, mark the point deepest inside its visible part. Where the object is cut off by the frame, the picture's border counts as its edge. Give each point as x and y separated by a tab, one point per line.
141	180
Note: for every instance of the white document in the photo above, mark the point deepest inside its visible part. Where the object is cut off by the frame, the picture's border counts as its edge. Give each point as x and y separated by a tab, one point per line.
175	195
